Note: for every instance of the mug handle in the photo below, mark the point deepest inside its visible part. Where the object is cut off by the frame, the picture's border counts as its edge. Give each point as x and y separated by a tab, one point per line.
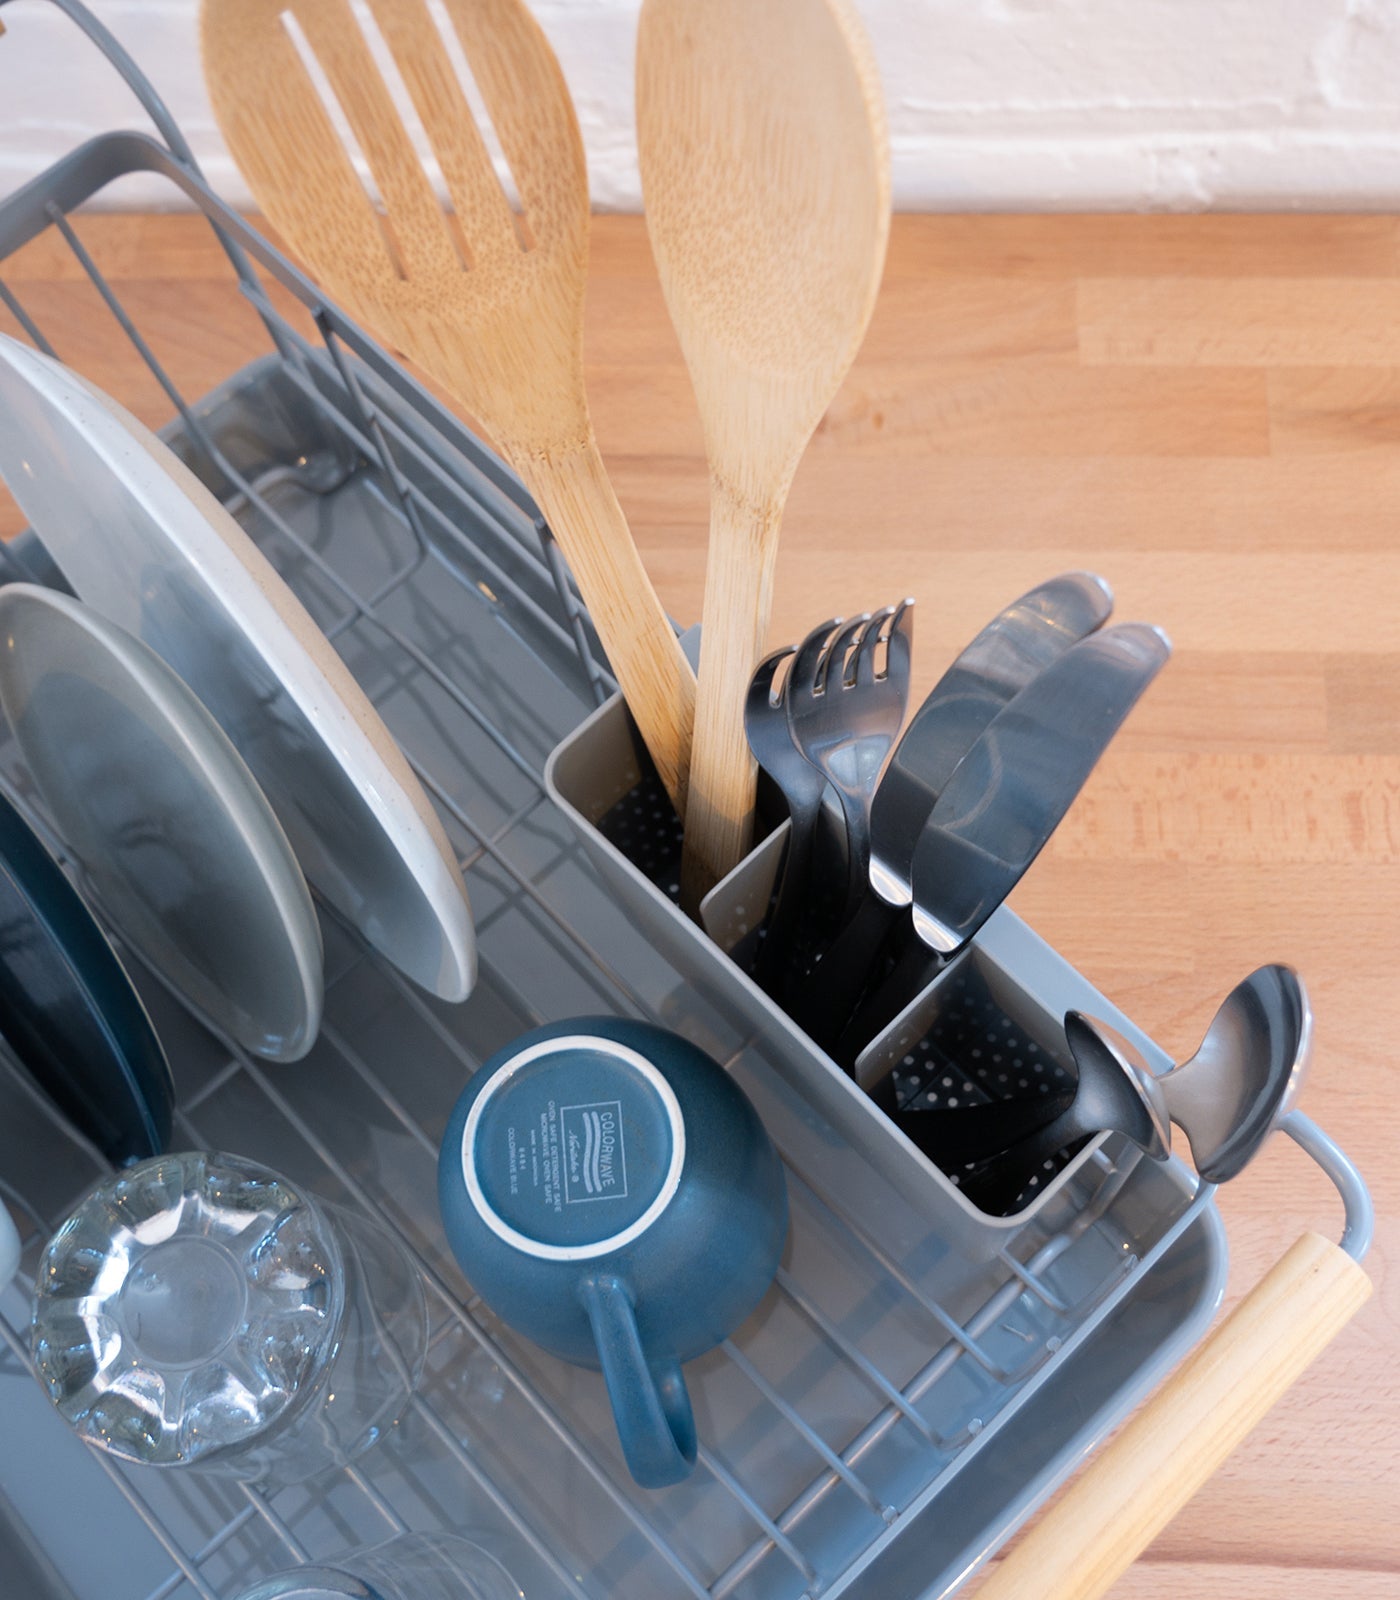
649	1400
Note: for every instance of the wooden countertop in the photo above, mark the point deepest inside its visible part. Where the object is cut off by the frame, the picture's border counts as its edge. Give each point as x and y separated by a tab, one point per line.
1207	412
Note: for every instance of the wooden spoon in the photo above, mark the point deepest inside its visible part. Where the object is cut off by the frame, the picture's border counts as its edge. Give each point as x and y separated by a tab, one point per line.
766	173
489	303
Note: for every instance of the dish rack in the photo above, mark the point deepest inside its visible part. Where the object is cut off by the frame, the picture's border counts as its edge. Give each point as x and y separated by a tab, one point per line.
915	1384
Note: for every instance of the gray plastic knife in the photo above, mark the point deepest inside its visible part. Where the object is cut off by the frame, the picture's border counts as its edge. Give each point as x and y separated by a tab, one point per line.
1000	807
1010	652
1010	791
1014	647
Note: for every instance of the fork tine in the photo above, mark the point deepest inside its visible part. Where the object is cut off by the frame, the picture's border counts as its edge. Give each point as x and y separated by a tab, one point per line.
538	132
862	671
760	697
835	653
419	230
447	118
803	677
900	645
316	136
903	623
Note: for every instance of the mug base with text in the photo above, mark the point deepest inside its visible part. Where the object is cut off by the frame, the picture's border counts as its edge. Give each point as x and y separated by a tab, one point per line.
609	1191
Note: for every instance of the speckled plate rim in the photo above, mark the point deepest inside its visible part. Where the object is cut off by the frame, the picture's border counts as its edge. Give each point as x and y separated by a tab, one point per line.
202	535
209	756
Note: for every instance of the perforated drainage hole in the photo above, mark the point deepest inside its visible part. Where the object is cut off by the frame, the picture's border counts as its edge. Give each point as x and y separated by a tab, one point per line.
973	1054
953	1059
643	825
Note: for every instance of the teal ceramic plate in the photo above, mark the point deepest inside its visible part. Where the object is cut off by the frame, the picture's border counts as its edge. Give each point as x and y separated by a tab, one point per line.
68	1009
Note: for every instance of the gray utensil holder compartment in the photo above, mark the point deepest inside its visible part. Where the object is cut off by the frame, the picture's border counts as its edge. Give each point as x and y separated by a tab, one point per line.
988	1026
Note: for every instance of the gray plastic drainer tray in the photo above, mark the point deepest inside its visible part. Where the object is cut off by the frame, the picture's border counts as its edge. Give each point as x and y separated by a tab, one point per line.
837	1424
912	1386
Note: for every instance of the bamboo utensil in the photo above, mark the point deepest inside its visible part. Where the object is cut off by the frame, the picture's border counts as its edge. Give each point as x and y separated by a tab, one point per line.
766	173
1136	1485
488	302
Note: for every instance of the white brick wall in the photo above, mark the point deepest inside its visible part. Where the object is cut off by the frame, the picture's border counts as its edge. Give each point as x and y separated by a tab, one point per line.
993	104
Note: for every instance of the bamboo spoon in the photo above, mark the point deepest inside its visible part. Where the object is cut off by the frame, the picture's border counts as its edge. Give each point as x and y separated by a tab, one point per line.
766	173
488	303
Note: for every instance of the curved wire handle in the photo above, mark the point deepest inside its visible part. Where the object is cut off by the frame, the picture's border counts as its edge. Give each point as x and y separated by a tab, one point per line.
155	108
1360	1222
136	80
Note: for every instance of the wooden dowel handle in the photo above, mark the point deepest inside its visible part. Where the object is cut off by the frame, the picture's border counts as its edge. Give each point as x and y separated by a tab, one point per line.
1136	1485
723	773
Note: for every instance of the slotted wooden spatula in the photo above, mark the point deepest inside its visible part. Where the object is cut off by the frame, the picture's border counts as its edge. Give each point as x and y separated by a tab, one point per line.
488	302
765	169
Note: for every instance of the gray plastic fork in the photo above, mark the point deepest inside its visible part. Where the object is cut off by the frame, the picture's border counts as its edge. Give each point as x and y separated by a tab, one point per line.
845	716
801	784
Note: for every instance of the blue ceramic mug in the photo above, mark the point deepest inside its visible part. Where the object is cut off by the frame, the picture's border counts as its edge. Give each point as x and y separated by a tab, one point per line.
609	1190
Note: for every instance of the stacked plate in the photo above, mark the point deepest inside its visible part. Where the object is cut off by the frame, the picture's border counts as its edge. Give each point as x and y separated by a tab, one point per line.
203	753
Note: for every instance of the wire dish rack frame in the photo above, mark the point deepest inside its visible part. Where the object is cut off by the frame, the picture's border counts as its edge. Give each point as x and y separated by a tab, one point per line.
896	1407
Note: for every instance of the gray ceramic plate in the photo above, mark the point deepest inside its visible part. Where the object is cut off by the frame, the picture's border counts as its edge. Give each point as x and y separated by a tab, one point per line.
177	840
142	541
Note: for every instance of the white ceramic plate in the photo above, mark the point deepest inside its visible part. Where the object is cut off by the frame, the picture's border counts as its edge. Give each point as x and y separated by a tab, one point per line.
178	842
144	543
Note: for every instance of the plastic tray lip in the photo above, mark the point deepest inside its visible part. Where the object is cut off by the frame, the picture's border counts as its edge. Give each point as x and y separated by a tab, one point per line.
1003	923
1080	1444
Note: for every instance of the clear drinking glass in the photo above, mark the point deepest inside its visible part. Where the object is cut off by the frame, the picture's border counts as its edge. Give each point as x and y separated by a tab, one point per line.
413	1566
198	1310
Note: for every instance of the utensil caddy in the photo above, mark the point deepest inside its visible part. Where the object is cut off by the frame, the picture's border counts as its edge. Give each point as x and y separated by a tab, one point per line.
920	1378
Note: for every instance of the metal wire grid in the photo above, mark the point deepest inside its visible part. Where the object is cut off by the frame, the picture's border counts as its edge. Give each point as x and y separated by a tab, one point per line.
359	408
901	1402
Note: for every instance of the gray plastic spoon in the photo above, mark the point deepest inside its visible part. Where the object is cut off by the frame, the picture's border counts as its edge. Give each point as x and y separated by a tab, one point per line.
1227	1098
1230	1096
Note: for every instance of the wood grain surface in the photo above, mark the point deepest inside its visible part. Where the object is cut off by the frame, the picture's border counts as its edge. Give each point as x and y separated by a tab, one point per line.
1206	410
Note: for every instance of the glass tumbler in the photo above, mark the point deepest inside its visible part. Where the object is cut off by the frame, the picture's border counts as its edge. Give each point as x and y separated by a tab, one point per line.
413	1566
198	1310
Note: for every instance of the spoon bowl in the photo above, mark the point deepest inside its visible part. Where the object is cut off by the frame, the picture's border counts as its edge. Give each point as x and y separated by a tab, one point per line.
1227	1098
1231	1095
765	167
